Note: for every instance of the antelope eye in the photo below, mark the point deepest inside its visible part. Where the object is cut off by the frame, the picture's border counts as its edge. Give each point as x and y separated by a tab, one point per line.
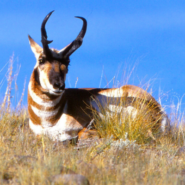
41	60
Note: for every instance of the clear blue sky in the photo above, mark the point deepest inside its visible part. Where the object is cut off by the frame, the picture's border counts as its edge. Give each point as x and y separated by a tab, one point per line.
120	34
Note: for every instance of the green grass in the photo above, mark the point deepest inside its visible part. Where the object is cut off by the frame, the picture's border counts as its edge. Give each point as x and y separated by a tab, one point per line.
124	154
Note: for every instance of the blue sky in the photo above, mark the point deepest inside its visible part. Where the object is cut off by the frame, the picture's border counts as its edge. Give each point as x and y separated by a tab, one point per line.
149	35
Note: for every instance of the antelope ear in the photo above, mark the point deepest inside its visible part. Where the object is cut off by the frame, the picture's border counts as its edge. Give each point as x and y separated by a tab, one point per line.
37	50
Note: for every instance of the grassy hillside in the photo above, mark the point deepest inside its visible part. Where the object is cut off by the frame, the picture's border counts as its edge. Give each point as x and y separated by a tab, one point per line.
126	155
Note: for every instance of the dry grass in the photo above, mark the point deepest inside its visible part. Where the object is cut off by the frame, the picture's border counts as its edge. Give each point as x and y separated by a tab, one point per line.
27	160
132	159
141	124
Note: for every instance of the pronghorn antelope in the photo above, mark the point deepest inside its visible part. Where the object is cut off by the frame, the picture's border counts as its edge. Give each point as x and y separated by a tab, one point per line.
64	114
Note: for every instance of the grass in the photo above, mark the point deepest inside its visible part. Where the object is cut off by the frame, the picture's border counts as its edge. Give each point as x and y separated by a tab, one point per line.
140	125
125	154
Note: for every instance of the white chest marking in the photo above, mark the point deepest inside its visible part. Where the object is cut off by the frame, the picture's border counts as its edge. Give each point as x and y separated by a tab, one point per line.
42	102
43	114
63	130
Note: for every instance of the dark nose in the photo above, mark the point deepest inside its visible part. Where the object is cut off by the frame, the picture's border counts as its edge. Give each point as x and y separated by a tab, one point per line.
62	87
57	85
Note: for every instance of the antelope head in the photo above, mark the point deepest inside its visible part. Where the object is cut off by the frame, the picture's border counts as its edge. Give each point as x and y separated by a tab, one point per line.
52	65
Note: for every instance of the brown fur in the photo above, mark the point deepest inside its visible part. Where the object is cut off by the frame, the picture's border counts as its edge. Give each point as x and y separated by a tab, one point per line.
78	104
56	67
86	134
78	100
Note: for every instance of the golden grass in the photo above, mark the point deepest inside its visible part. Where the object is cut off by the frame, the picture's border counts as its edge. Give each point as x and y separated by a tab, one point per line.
25	159
132	159
141	124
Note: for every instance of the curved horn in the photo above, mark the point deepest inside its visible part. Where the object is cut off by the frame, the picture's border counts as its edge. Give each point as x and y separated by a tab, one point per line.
68	50
44	40
84	28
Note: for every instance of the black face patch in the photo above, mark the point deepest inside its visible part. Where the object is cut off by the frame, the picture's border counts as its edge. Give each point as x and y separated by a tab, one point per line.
57	74
56	78
54	69
36	75
42	59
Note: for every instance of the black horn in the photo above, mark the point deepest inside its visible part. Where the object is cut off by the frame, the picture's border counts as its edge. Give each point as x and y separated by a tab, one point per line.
77	42
44	40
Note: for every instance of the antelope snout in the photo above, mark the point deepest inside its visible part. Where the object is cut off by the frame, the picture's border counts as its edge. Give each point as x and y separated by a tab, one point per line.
58	85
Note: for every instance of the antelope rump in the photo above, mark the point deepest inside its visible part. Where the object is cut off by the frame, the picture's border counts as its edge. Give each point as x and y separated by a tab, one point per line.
64	114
